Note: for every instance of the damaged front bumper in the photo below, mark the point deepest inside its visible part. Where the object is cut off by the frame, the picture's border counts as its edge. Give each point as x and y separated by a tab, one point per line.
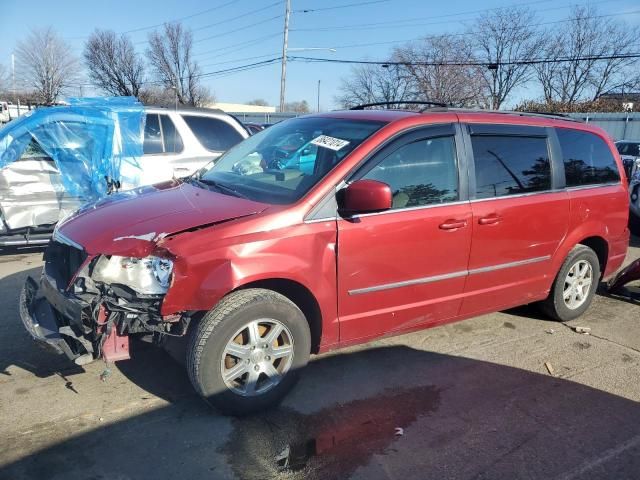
84	319
55	320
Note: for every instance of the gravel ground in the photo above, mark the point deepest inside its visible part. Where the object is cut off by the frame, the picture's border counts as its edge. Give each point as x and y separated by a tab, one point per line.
470	400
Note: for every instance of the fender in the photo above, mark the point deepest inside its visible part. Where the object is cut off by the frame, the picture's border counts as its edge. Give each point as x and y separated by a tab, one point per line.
204	273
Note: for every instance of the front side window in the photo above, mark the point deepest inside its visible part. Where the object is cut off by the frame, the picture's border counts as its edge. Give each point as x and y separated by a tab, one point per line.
510	165
420	173
214	134
282	163
587	158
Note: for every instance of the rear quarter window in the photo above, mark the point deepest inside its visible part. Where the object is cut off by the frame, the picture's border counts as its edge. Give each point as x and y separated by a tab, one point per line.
587	158
214	134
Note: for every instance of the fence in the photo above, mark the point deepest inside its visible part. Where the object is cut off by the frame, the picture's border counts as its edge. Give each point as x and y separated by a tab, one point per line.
621	126
266	117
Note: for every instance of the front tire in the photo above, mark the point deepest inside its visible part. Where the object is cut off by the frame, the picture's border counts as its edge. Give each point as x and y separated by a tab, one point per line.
575	285
246	353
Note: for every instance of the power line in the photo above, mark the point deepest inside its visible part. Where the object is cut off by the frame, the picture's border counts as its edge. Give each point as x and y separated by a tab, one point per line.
404	22
348	5
244	44
463	34
533	61
180	19
238	60
226	20
238	29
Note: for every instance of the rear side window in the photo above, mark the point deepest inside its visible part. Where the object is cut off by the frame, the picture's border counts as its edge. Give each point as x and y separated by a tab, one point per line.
214	134
160	135
587	158
152	135
420	173
171	137
510	165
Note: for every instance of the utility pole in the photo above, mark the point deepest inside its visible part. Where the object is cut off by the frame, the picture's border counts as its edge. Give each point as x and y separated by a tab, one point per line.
285	40
318	96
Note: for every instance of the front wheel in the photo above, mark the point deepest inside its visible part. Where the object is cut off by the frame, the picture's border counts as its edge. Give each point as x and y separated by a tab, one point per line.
246	353
575	285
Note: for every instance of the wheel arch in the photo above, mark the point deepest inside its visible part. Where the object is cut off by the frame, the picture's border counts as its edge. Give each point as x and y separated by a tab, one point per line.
601	248
301	296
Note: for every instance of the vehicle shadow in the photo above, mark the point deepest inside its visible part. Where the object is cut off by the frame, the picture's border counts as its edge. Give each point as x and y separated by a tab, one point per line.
386	412
16	346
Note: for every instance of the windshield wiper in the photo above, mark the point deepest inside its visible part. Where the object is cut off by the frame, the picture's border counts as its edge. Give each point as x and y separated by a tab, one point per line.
219	186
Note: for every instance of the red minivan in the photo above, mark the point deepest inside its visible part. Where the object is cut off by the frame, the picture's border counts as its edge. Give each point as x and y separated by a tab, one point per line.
331	230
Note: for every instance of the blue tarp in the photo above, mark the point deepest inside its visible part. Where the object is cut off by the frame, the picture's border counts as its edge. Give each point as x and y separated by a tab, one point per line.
88	139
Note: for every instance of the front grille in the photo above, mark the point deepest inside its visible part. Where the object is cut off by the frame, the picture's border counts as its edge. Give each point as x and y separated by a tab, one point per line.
62	261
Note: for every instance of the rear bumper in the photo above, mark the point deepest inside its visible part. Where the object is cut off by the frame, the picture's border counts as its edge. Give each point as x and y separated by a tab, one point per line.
54	320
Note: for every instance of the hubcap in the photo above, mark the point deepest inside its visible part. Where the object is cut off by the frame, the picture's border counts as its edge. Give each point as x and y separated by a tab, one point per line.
577	284
257	357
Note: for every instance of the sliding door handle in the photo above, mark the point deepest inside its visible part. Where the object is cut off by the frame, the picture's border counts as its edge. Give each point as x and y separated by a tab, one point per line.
453	224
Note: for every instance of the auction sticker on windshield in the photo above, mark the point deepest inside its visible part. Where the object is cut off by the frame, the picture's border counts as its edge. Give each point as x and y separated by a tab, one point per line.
331	143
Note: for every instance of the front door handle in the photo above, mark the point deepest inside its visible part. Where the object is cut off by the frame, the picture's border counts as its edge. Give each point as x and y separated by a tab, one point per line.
453	224
490	219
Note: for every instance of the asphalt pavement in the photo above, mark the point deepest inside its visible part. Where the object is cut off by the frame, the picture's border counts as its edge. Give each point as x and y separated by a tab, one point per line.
503	396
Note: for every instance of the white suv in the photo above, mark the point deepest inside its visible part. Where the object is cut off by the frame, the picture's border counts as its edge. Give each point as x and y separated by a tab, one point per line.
176	144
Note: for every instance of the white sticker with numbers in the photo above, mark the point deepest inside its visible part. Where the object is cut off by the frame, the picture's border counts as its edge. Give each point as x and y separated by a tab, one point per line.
331	143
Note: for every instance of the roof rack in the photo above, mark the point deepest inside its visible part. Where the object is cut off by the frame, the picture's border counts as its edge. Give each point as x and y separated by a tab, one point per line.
562	116
399	102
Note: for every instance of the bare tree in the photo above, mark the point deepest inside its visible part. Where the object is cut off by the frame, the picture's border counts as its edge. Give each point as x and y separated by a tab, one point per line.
375	83
297	107
575	72
260	102
113	64
428	66
499	38
4	79
171	58
46	64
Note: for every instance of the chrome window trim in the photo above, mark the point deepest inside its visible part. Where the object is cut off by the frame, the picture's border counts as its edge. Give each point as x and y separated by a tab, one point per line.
407	209
595	185
515	195
447	276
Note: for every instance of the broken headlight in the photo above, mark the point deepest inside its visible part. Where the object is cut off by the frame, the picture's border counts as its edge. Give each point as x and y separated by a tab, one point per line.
148	276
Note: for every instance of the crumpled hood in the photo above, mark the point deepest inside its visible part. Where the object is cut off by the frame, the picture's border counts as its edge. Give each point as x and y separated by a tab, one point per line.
129	223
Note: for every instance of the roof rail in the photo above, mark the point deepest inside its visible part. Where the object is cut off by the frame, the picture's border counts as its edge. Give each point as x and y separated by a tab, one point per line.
399	102
562	116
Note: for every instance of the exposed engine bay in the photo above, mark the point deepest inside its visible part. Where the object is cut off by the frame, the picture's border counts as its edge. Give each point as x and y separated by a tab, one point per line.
94	303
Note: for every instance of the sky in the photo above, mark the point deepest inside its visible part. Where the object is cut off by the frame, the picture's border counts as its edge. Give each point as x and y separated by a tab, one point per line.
233	33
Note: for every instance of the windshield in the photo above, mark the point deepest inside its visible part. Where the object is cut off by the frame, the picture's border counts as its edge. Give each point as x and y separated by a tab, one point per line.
280	164
628	148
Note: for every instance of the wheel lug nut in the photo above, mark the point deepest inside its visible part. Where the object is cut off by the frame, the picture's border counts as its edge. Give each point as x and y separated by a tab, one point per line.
268	357
256	368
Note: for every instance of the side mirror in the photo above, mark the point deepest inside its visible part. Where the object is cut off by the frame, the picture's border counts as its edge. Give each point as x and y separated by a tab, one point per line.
365	196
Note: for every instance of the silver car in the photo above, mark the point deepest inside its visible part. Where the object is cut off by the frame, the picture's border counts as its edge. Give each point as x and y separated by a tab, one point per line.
176	143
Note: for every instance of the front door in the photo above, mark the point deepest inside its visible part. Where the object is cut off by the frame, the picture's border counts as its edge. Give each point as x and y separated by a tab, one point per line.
406	267
520	216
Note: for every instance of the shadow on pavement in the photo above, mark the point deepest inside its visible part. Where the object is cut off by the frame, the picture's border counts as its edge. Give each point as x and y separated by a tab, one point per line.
390	412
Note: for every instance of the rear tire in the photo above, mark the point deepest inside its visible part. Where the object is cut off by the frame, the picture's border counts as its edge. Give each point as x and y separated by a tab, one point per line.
575	285
246	353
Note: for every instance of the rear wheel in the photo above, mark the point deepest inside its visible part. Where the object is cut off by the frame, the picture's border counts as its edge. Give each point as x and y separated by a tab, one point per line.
575	285
245	354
